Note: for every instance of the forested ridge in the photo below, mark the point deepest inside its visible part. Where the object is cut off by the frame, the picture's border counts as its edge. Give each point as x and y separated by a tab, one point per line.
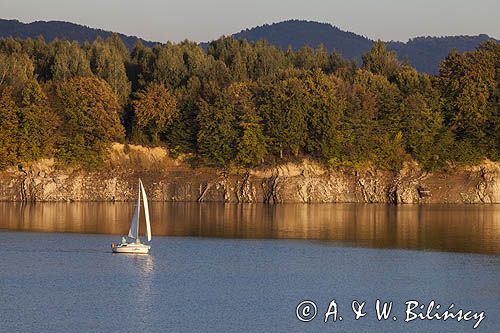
51	30
242	104
424	53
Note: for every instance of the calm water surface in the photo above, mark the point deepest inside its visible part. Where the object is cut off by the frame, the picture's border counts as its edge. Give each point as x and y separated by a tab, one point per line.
245	267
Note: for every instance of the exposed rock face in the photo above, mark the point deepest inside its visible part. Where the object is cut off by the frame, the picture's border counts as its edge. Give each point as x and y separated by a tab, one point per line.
170	180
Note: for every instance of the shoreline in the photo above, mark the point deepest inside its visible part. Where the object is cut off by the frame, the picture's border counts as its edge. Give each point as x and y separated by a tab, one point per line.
170	180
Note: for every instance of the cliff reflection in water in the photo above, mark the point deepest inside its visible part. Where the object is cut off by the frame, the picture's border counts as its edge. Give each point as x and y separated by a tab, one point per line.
458	228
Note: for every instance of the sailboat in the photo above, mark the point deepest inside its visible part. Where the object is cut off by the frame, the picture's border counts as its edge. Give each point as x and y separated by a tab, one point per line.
136	246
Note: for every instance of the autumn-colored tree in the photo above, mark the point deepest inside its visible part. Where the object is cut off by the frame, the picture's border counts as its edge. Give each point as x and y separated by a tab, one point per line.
359	125
8	128
37	124
309	58
408	81
388	100
154	109
469	83
421	127
10	45
269	60
89	112
15	71
114	41
381	61
325	110
491	49
168	66
389	151
252	146
244	103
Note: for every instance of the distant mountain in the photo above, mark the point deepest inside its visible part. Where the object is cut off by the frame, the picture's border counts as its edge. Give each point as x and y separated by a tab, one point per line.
62	30
297	34
424	53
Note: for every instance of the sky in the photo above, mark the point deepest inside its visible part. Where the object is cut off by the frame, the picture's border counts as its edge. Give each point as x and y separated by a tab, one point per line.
199	20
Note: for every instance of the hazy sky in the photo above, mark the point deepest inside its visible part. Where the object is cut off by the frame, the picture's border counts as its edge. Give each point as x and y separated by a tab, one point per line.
205	20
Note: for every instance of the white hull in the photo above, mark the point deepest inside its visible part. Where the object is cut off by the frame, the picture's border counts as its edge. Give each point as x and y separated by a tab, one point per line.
136	247
131	248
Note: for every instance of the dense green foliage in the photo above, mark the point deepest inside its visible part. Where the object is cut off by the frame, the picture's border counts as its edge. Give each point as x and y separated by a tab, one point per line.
424	53
89	113
245	104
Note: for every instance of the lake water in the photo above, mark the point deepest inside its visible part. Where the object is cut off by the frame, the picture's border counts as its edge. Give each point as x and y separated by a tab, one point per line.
246	267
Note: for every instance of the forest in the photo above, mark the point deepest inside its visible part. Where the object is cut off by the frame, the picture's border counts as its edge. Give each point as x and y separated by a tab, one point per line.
245	104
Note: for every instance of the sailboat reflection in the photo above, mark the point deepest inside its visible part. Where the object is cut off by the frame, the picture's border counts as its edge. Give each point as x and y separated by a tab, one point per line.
144	264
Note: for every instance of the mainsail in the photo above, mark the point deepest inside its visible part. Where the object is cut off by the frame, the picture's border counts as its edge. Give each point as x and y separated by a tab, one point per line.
146	210
134	227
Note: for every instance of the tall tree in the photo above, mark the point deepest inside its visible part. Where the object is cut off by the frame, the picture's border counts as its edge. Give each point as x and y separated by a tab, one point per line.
43	59
107	63
217	135
381	61
154	109
252	145
168	66
421	129
282	105
141	68
69	61
468	83
358	125
388	100
8	128
269	60
89	112
325	110
37	124
15	70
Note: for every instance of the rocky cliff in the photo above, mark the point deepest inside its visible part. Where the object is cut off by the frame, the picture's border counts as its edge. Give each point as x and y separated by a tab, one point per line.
172	180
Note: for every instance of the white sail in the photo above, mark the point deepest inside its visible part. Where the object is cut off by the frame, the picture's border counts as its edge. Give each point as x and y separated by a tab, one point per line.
134	227
146	211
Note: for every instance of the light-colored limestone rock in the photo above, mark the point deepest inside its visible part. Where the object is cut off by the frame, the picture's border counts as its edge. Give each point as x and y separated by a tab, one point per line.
308	182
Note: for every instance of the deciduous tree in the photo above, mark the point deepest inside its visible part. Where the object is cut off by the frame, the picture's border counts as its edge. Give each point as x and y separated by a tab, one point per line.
154	109
89	112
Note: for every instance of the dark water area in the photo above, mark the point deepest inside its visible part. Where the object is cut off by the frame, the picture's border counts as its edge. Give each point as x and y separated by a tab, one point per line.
245	268
451	228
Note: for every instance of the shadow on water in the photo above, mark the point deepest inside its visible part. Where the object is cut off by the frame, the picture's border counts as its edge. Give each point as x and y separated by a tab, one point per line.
456	228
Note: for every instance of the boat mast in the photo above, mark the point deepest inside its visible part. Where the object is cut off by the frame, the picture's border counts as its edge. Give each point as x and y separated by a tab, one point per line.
138	209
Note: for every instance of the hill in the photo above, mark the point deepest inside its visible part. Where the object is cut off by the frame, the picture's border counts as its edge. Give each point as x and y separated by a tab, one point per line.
424	53
62	30
297	33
